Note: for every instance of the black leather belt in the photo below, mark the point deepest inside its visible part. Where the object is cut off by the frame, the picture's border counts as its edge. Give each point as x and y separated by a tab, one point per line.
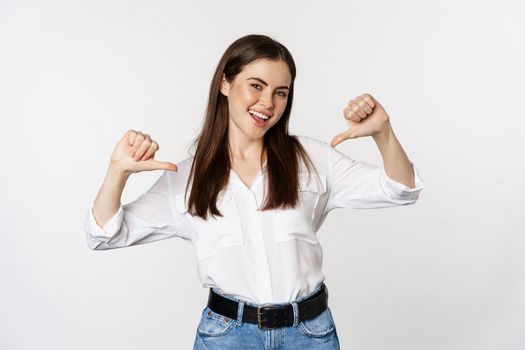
268	316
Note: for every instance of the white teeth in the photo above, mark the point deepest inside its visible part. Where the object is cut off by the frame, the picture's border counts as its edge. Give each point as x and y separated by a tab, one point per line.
260	115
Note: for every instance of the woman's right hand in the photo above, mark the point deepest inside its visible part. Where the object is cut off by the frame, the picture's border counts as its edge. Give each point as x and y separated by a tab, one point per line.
135	152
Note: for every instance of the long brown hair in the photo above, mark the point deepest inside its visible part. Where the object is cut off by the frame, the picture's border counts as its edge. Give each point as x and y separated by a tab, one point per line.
211	164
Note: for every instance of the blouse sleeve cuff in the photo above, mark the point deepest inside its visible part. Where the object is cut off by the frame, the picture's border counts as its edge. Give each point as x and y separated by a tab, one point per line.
102	234
401	192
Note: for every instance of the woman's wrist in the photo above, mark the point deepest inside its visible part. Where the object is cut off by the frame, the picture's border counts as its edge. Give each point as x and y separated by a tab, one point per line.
383	137
117	173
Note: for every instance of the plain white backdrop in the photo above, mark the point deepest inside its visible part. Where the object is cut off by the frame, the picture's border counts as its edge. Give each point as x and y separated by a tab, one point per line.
445	274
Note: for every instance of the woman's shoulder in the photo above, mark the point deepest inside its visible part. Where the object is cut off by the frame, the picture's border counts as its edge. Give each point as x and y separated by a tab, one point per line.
178	179
318	151
314	145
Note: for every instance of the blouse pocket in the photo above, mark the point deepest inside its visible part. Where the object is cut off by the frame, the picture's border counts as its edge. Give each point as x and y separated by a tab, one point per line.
298	223
214	234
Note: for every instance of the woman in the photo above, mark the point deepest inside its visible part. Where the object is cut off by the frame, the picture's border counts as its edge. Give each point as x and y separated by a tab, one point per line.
251	199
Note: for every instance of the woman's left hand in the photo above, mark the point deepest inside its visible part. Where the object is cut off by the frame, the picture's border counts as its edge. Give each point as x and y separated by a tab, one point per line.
365	117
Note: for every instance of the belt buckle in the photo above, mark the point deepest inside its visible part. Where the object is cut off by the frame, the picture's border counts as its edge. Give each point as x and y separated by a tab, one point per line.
261	320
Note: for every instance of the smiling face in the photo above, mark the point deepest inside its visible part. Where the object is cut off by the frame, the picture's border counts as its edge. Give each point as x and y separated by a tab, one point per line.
261	87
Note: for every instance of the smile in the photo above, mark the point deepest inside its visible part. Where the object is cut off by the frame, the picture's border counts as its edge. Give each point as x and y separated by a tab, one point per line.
258	114
259	119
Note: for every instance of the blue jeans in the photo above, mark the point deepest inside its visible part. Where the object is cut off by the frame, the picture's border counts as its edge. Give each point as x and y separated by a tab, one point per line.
219	332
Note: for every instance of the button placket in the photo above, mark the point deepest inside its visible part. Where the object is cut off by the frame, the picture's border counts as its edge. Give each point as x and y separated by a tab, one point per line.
262	252
251	218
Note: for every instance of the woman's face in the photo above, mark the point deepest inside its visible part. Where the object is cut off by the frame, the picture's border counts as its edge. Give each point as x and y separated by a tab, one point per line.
262	86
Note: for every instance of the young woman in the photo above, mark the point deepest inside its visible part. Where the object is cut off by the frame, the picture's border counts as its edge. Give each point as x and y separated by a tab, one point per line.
251	199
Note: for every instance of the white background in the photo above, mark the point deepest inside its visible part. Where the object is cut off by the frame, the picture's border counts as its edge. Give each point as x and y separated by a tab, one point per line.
445	274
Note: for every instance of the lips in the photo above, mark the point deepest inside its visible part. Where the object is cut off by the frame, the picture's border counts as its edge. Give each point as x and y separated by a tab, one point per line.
264	113
258	121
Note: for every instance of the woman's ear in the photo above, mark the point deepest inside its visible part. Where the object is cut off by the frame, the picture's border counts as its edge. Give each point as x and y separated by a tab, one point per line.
225	86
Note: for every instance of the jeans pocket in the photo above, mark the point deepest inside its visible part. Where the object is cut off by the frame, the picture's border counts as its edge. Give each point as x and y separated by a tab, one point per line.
320	326
213	324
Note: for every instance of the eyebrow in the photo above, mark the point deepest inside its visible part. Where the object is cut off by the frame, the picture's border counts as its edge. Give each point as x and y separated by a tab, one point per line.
266	84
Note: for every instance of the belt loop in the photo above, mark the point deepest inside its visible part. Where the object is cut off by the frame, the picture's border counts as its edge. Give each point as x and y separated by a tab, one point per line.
295	313
240	310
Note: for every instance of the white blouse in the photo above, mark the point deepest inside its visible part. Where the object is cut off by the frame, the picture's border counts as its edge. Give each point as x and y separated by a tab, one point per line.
270	256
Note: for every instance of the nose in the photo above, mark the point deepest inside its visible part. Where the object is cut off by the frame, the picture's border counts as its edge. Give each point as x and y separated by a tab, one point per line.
267	99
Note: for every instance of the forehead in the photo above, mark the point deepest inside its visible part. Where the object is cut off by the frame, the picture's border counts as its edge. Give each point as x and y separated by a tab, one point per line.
273	72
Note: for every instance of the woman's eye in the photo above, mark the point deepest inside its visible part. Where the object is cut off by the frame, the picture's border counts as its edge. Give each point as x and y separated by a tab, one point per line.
280	93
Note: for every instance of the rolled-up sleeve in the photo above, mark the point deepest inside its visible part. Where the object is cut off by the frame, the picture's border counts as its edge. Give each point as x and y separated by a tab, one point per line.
360	185
400	192
151	217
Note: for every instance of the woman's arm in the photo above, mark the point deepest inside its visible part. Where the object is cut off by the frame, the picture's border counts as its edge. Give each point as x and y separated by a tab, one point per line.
109	224
107	201
367	117
396	163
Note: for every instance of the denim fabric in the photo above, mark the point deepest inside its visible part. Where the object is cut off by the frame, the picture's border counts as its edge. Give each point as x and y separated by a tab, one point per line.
219	332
